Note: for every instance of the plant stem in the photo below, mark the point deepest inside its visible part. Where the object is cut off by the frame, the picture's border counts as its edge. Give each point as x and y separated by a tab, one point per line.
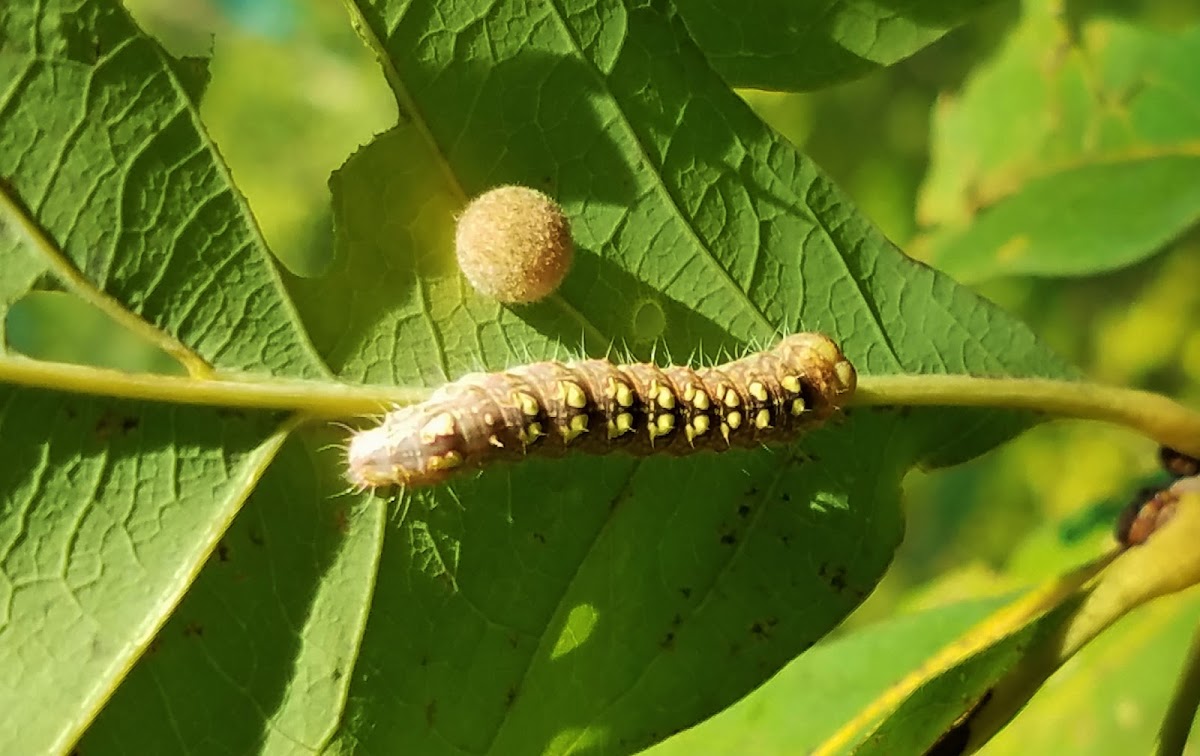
1177	724
224	390
1166	421
39	241
1162	419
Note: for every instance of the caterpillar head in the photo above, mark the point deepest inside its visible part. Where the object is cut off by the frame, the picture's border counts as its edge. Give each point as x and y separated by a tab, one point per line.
820	358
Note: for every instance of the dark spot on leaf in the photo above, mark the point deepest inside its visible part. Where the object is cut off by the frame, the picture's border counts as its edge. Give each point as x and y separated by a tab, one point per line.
193	629
424	661
70	412
431	712
785	498
728	539
834	576
799	459
110	423
222	551
539	537
668	642
743	510
676	621
685	592
256	538
510	697
752	492
785	539
337	674
759	630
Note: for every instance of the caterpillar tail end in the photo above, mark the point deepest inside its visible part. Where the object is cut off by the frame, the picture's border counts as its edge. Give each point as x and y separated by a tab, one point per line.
367	461
412	447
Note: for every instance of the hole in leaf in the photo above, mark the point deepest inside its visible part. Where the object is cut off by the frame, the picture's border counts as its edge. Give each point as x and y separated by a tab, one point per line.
59	327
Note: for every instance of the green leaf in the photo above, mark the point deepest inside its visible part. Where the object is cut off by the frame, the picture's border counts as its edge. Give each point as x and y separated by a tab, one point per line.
688	213
1080	221
962	696
1108	700
1066	163
1112	697
140	209
109	508
259	653
798	46
955	692
803	705
552	605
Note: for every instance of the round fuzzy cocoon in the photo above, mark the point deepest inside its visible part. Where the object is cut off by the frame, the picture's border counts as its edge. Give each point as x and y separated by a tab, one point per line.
514	244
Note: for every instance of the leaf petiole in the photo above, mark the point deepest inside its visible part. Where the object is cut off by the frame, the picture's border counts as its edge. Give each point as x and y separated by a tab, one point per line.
311	398
1164	420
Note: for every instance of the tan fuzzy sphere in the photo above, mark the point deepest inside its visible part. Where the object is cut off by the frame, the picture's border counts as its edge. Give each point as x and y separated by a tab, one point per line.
514	244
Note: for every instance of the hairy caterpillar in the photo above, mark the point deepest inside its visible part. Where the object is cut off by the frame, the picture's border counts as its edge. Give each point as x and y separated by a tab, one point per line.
595	406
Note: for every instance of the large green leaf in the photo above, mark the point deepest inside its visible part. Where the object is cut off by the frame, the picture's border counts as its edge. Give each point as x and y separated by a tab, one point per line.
259	653
109	508
141	207
809	44
883	689
689	215
1073	152
812	697
1112	697
556	605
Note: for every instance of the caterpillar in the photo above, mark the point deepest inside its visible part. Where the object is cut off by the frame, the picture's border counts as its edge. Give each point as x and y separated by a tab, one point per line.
594	406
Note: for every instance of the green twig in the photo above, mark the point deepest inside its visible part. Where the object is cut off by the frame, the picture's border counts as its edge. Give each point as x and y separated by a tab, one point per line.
1162	419
223	390
1158	417
1177	724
